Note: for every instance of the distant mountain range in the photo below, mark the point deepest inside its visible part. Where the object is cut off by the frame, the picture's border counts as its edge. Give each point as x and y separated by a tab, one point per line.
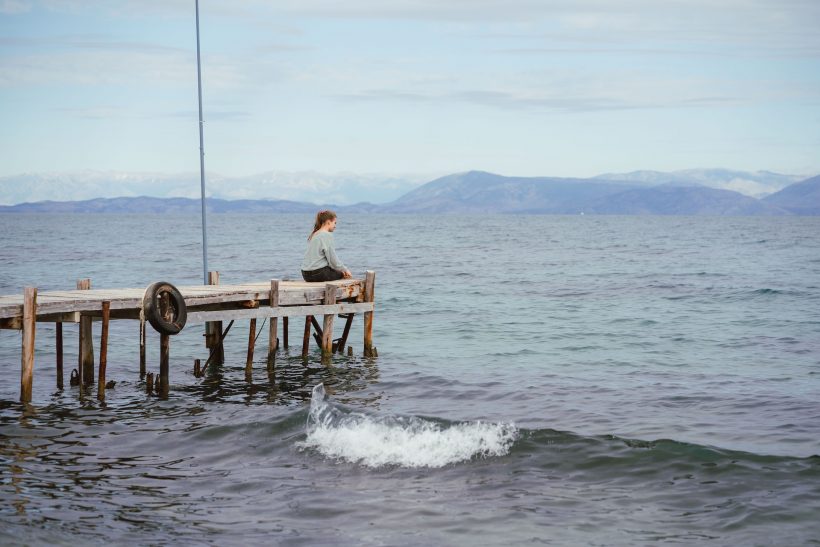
757	184
481	192
304	186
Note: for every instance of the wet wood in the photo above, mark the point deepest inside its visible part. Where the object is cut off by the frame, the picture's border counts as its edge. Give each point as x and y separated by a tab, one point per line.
197	368
327	328
273	299
220	339
306	336
210	304
149	383
164	360
282	311
29	331
106	313
142	347
213	330
369	296
317	330
86	352
345	332
291	293
59	350
285	331
251	343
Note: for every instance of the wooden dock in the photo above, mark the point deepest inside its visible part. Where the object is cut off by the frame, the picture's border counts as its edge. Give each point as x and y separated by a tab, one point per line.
210	304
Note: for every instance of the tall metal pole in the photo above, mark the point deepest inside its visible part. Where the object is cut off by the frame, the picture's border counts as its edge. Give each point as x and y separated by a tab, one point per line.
201	156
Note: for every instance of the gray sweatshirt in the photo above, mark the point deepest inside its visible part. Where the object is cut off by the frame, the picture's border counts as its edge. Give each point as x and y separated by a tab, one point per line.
320	253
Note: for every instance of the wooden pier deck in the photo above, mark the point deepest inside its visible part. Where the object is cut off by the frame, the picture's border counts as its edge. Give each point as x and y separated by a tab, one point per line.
210	304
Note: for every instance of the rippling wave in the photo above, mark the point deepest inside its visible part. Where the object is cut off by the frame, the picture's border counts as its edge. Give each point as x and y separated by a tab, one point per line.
408	442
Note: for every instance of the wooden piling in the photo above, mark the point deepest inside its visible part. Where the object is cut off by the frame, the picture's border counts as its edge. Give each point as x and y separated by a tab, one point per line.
306	337
285	332
317	331
149	383
86	354
369	296
106	314
343	340
213	330
164	358
29	331
197	368
327	327
251	342
142	346
274	325
59	350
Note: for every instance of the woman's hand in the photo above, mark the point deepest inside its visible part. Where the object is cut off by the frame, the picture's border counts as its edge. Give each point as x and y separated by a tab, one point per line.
347	274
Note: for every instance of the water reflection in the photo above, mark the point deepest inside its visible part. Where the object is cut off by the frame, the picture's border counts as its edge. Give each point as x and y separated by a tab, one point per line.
293	378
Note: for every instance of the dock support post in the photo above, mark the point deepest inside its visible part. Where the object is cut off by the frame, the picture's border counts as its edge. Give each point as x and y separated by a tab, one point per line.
106	314
142	346
59	350
213	330
164	358
306	337
274	325
86	356
327	327
251	342
369	296
29	330
285	332
343	340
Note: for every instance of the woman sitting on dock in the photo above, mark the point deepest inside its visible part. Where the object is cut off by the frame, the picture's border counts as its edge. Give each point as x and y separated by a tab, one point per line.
320	262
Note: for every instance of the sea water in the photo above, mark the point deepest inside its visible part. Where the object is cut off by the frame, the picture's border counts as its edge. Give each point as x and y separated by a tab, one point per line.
541	379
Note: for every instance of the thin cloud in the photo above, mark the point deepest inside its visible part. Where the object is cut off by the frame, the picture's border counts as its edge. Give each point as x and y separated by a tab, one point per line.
11	7
517	101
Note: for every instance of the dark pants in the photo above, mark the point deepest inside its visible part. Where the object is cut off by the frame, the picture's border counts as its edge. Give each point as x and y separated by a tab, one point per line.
322	274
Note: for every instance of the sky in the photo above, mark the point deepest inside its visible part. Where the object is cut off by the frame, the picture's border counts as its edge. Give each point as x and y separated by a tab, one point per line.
516	87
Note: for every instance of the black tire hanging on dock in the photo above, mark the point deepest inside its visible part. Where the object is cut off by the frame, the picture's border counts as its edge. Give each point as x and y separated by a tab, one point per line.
164	308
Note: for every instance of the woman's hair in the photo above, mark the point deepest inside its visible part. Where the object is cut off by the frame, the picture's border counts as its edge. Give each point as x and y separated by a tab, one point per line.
321	218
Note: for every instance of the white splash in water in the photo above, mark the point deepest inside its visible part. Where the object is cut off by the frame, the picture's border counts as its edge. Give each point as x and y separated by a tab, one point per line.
407	442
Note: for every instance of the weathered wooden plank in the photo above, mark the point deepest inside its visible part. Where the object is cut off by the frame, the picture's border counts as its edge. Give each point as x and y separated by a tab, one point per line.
29	331
291	293
12	323
281	311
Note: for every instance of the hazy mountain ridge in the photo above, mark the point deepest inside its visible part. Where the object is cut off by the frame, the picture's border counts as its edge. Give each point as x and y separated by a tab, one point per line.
756	184
304	186
802	198
482	192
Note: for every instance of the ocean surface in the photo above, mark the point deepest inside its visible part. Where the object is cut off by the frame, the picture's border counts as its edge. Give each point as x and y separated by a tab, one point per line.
558	380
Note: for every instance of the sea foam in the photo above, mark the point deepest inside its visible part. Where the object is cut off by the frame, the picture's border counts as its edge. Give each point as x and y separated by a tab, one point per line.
406	442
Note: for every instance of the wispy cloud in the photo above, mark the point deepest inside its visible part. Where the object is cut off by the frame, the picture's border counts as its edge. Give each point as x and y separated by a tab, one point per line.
14	6
559	102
